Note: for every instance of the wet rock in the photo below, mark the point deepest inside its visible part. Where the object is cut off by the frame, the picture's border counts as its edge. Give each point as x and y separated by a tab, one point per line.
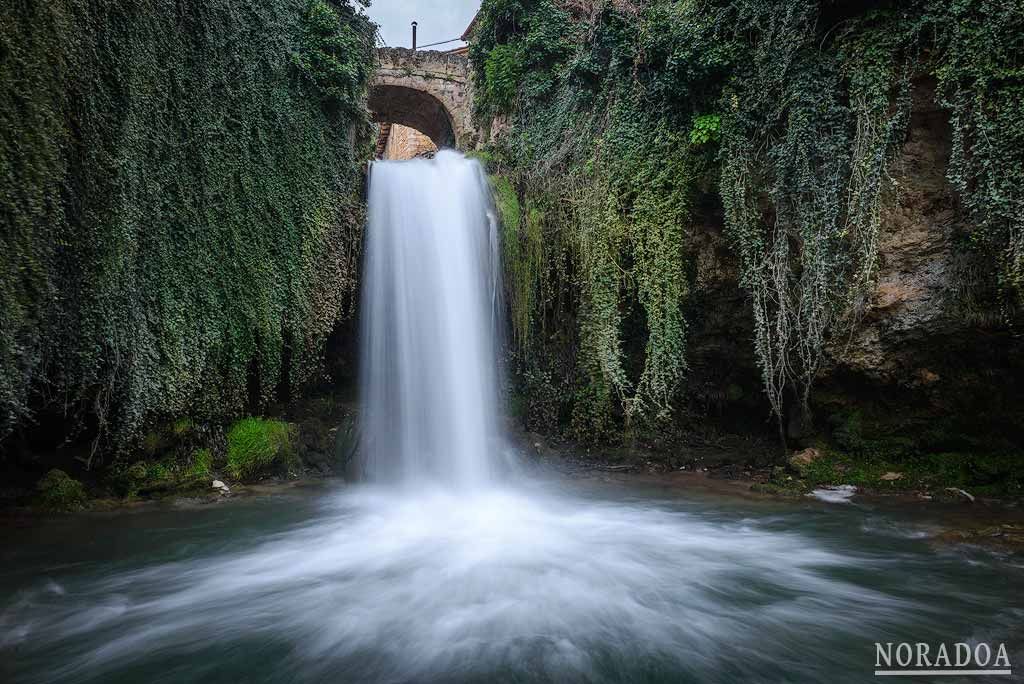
223	488
961	494
802	459
1005	535
346	442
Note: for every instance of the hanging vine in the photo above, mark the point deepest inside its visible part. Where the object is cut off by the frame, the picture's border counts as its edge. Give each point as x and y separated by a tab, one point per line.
613	175
618	111
808	141
180	203
980	70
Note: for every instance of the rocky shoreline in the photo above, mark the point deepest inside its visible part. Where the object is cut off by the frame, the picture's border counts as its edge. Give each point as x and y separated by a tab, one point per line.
996	524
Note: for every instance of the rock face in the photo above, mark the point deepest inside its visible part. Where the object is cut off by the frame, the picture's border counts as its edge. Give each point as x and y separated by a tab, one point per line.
938	334
924	277
800	460
937	338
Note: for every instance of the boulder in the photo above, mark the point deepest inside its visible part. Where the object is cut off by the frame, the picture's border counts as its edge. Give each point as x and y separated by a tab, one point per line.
961	494
802	459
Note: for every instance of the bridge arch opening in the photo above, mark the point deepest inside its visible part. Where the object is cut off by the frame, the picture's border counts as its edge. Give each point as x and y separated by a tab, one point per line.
394	104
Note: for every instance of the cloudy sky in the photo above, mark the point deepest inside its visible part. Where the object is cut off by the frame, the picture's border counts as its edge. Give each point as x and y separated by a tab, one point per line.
438	20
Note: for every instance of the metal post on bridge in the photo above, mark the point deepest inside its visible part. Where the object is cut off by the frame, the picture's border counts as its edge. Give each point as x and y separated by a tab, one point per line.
414	36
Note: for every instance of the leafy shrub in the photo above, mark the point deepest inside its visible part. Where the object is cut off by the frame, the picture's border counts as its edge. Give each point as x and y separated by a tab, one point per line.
503	71
706	129
58	491
336	54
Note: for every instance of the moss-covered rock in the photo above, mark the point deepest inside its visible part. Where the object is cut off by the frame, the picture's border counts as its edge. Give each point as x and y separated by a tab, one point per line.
258	445
129	479
58	491
802	461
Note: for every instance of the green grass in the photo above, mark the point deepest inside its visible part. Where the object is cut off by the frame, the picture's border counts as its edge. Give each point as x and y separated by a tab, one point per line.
201	466
256	444
986	474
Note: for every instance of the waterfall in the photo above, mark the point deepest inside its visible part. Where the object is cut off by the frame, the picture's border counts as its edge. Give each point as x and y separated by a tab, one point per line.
430	308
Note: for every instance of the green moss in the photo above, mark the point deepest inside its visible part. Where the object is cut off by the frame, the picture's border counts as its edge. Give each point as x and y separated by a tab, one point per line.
201	465
255	445
485	157
507	201
131	479
58	491
994	474
521	256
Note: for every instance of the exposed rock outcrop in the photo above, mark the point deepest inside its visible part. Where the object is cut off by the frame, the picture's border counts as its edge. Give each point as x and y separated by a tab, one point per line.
936	341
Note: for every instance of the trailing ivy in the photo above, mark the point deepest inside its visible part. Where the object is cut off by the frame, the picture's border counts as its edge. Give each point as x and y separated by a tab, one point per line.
979	62
181	220
625	115
808	138
608	181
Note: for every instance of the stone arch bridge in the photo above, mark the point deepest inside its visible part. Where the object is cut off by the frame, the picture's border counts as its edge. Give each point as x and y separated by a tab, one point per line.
426	90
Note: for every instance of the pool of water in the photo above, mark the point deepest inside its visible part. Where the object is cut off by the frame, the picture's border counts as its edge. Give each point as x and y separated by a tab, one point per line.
547	582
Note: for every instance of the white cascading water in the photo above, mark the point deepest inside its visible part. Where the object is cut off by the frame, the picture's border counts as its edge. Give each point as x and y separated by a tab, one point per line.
430	306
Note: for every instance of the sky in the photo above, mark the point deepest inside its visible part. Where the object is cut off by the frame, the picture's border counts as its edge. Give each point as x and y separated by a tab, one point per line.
438	20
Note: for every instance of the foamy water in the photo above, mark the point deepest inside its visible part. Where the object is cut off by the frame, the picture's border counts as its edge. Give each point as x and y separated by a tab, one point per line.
522	585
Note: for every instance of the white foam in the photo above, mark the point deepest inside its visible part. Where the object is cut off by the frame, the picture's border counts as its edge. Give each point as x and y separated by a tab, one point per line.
838	494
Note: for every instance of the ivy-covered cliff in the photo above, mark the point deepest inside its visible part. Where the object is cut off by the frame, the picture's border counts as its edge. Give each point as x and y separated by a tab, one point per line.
726	208
180	195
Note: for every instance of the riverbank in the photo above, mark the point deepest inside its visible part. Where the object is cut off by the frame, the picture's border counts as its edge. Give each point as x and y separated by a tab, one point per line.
990	523
319	439
757	465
